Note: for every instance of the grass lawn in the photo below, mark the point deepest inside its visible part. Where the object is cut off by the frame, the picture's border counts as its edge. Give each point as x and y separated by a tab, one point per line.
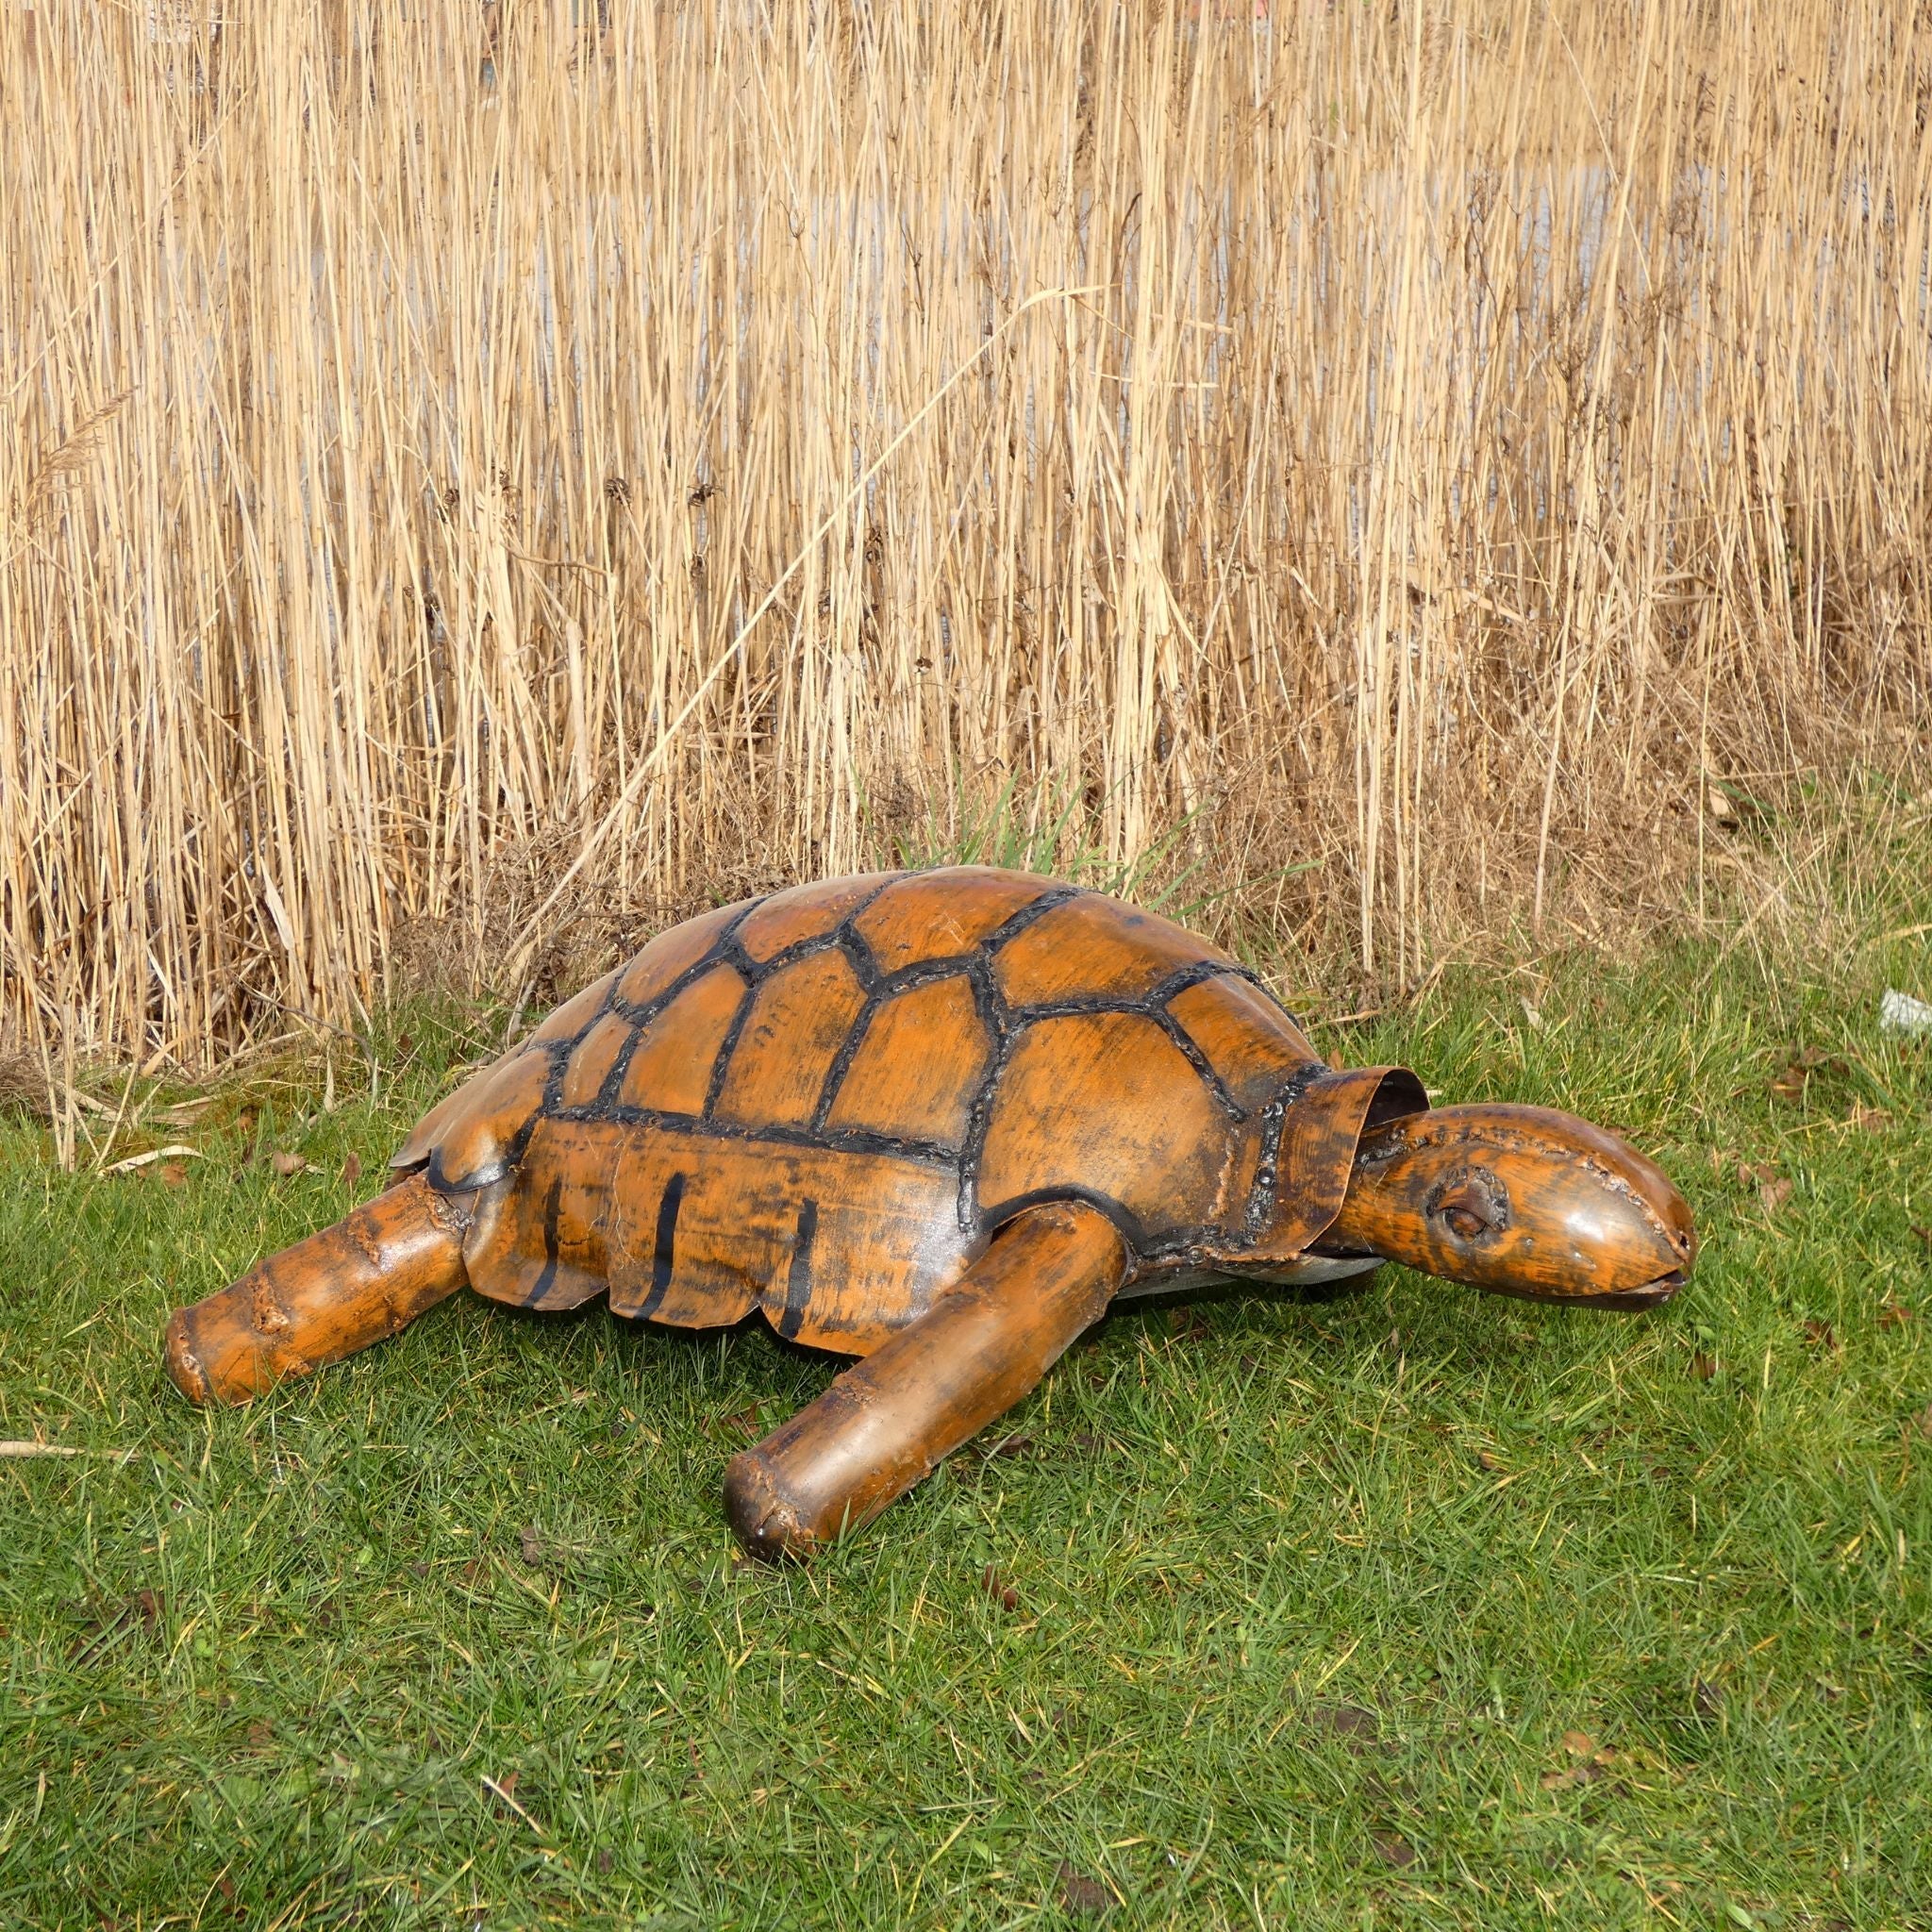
1412	1608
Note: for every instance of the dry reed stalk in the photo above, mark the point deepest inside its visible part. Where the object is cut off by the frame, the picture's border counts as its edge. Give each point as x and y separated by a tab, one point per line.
1483	425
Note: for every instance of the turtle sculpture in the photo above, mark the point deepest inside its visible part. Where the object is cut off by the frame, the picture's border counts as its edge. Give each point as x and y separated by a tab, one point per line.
938	1121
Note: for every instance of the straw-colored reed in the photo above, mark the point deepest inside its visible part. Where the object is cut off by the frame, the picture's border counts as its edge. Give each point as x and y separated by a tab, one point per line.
440	447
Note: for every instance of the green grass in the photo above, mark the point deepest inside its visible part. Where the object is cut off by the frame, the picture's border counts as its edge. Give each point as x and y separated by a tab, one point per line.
1308	1598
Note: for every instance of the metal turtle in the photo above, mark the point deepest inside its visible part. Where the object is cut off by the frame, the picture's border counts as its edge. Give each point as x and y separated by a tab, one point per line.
938	1121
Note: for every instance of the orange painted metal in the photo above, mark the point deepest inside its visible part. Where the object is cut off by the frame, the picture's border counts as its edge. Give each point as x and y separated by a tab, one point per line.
885	1423
936	1121
361	1281
1522	1201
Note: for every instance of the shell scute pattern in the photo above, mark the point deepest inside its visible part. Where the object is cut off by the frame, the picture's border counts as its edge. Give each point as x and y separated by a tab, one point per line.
821	1104
919	1061
940	915
1242	1035
802	913
1092	950
673	954
1105	1103
800	1016
569	1021
481	1139
593	1059
671	1061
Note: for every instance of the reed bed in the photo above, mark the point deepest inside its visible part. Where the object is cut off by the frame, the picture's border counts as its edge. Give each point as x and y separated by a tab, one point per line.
460	467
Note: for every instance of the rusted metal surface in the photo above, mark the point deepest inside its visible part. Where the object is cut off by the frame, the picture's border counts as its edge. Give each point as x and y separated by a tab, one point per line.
363	1280
937	1121
1048	1275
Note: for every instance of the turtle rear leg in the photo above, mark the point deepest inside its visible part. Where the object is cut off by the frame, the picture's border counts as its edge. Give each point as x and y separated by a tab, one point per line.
361	1281
883	1425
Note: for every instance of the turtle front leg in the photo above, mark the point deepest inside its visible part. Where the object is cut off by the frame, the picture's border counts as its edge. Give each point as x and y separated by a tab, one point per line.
885	1422
361	1281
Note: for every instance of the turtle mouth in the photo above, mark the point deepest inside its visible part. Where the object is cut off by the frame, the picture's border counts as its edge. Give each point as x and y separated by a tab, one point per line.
1652	1294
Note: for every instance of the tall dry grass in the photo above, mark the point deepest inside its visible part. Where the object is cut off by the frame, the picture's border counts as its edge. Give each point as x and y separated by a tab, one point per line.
455	462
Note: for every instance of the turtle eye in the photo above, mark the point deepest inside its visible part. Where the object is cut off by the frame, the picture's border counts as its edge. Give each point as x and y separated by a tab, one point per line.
1467	1211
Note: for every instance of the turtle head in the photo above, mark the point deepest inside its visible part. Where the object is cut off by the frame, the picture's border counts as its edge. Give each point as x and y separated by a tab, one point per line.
1521	1200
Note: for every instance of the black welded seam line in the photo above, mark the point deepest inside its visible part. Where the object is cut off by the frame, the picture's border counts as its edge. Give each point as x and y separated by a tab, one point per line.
1016	923
1198	1060
837	932
840	1062
557	1053
1132	1230
726	952
721	1065
663	1248
727	949
639	1017
643	1015
1175	983
834	1140
724	949
865	969
1262	1193
881	987
1153	1005
918	972
553	1216
491	1171
1007	1025
1000	1031
1004	1033
821	944
798	1275
842	936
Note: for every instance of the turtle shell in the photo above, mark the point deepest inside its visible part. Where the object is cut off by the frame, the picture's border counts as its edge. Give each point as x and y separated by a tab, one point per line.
821	1104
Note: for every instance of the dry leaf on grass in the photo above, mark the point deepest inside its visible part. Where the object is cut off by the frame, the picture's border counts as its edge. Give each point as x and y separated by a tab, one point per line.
1789	1086
352	1168
1821	1334
1703	1366
147	1610
996	1586
1079	1893
1894	1315
1772	1195
1356	1727
1394	1850
1590	1762
288	1165
504	1791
